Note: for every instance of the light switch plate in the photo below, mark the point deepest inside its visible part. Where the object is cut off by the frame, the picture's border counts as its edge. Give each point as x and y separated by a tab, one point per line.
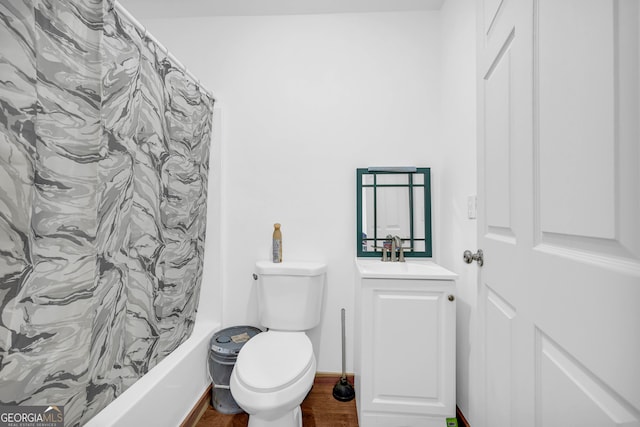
472	207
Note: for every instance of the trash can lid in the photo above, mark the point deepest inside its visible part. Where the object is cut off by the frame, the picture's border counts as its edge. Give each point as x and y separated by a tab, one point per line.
230	340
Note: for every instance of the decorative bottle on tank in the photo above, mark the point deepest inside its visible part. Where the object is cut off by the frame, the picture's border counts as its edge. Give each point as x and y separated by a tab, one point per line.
277	243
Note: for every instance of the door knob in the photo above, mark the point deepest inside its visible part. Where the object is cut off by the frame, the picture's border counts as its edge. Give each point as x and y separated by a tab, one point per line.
470	257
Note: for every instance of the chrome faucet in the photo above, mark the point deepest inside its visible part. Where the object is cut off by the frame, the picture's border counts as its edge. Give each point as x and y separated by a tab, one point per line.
395	253
396	246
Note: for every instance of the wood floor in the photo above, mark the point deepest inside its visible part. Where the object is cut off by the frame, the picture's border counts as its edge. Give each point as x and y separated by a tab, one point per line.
319	409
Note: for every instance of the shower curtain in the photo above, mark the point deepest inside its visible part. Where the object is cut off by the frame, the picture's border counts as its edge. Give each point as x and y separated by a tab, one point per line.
104	147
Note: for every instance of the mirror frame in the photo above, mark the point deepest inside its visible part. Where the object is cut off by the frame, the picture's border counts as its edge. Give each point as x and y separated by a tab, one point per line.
426	172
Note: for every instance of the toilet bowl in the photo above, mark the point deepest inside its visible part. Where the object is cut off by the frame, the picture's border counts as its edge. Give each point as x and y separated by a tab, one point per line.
274	370
273	374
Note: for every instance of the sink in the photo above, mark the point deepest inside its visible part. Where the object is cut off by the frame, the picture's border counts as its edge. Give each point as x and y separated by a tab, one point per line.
376	269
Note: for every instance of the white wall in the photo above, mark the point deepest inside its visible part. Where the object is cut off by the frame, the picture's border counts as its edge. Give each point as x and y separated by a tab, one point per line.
306	99
458	175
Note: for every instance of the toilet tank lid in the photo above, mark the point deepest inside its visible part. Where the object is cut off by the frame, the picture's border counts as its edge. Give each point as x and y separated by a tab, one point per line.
291	268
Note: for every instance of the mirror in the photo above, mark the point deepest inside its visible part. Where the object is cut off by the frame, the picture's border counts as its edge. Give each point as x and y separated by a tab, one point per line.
393	202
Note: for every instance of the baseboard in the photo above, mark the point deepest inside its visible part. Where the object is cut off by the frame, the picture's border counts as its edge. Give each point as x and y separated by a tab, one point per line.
330	378
200	407
461	418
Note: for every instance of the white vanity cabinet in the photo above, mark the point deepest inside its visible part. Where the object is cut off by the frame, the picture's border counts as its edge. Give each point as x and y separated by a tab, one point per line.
405	344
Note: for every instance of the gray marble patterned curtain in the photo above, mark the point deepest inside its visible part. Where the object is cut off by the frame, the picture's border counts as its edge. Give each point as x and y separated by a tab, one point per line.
104	148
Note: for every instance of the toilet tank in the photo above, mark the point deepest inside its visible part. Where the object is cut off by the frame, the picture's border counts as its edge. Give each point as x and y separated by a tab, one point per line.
290	294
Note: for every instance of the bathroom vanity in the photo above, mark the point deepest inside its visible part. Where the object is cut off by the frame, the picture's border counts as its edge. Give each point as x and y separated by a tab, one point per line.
405	344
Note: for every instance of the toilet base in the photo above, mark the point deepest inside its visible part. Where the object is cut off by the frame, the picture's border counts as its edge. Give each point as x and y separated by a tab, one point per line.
291	418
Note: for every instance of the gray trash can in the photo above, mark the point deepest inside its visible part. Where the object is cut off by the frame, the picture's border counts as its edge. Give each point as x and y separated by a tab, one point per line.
223	353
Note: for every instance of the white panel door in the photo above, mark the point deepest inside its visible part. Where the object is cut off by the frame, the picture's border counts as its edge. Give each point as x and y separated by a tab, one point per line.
559	213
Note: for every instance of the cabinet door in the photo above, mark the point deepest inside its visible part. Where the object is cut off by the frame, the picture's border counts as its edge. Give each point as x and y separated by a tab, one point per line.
408	347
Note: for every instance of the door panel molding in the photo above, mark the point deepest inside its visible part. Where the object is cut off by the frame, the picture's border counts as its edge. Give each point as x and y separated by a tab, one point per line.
498	140
593	227
417	307
562	383
491	14
572	68
498	344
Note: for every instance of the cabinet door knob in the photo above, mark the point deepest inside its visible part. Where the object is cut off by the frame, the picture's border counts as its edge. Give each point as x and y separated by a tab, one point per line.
451	298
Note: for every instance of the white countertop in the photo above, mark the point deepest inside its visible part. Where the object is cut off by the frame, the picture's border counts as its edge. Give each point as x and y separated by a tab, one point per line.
410	269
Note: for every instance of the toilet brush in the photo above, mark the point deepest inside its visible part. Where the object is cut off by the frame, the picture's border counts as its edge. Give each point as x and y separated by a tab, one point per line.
343	391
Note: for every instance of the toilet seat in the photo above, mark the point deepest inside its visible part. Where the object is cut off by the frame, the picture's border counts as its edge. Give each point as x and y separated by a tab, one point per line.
272	360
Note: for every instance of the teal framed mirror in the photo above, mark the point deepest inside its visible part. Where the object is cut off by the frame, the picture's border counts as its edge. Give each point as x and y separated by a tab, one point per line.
393	201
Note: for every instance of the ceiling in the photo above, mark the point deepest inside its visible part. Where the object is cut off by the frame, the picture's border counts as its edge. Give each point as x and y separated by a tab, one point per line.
151	9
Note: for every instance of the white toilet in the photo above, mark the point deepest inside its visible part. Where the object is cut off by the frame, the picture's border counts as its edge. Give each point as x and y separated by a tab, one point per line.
275	369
